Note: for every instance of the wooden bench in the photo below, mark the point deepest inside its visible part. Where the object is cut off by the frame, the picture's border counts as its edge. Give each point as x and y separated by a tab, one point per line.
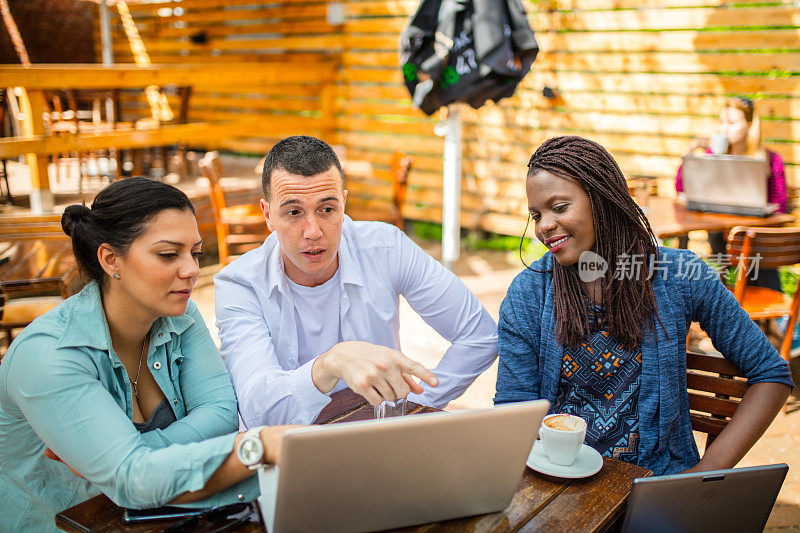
25	226
215	131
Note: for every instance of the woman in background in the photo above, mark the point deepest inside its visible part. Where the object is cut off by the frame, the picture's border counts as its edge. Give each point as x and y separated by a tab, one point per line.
741	126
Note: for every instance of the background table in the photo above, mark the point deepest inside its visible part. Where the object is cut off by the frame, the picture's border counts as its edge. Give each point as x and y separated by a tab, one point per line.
37	266
541	503
670	218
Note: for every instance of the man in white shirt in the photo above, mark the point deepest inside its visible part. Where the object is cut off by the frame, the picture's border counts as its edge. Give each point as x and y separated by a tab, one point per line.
315	308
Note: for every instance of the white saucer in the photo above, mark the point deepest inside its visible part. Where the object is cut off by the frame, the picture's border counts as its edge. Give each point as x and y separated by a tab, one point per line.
588	463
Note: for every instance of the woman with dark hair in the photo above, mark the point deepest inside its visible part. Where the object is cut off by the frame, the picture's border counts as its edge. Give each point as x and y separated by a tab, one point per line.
120	388
609	345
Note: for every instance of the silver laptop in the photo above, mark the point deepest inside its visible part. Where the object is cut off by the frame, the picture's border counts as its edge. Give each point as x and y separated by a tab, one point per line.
738	499
382	474
726	184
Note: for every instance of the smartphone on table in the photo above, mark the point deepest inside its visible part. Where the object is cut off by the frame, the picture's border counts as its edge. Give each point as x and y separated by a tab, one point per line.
160	513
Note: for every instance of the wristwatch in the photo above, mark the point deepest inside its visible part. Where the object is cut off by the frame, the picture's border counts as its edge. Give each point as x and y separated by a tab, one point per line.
250	449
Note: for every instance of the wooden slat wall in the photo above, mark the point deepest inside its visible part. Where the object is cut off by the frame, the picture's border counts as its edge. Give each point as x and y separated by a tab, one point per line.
234	31
642	77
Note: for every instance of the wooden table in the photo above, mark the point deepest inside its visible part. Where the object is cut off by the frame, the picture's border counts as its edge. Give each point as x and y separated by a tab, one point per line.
670	218
541	503
37	266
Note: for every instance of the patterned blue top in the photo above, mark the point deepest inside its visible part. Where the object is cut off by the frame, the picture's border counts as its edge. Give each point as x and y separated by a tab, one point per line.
600	383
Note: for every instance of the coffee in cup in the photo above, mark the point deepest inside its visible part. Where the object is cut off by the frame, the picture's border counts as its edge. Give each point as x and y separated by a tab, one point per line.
562	436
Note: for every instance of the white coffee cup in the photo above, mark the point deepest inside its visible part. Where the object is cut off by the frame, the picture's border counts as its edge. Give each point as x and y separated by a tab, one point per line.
562	436
718	143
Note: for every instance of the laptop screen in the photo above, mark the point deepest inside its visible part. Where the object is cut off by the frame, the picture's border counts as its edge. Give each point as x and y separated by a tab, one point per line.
738	499
725	180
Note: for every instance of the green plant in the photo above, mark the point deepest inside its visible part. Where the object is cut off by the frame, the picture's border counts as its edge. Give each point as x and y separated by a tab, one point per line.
788	280
426	230
787	276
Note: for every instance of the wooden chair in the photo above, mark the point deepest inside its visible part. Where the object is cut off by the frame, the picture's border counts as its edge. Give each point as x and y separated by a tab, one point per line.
42	271
391	212
776	247
239	227
715	388
86	111
19	312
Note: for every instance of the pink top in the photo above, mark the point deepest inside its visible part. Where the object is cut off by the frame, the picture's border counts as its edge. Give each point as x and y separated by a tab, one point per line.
776	184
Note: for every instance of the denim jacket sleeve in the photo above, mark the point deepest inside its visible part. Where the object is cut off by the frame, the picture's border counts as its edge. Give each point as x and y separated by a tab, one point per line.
518	372
732	331
60	395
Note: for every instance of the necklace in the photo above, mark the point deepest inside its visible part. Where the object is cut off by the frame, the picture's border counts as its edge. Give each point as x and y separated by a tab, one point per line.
138	371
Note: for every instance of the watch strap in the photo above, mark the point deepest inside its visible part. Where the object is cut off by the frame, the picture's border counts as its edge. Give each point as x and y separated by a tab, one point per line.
253	434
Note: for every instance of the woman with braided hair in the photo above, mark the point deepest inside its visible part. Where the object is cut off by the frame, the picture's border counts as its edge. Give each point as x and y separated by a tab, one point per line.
598	325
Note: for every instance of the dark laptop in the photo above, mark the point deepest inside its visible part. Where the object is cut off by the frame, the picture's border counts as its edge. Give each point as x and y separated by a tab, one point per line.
730	184
739	499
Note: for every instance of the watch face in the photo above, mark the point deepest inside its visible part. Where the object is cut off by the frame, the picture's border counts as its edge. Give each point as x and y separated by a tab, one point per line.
251	451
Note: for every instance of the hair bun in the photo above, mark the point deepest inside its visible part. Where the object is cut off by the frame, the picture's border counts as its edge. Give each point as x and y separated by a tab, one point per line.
72	215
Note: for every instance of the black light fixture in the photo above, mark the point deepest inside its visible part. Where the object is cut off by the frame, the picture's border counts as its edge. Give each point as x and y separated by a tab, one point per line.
200	37
549	93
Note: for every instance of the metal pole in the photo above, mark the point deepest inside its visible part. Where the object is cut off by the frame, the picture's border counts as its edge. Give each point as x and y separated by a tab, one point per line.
105	34
451	201
108	59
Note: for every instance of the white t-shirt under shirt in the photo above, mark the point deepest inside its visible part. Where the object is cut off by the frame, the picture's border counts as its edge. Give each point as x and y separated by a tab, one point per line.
314	309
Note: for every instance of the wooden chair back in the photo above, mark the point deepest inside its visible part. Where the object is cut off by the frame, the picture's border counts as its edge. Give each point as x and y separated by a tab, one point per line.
401	165
365	204
772	248
211	168
715	389
776	247
239	227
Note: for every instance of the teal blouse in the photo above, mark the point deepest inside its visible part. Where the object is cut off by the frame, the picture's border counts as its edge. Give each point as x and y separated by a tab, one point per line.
62	386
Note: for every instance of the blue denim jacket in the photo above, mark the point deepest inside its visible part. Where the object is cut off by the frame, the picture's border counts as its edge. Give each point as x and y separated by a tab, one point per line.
686	290
63	387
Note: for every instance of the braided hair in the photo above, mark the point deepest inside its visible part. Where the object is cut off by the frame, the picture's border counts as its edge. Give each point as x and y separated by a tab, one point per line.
621	231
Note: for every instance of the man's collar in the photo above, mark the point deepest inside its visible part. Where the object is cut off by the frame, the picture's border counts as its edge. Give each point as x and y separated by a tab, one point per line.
349	269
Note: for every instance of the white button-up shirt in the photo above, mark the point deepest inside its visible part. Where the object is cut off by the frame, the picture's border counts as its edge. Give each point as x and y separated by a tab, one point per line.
377	262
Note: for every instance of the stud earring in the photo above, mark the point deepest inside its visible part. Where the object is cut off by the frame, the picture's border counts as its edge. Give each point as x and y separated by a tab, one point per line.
116	275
